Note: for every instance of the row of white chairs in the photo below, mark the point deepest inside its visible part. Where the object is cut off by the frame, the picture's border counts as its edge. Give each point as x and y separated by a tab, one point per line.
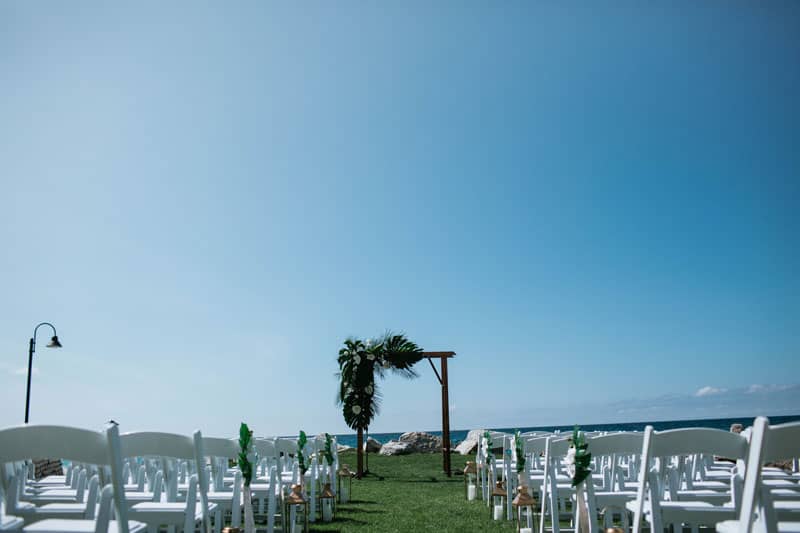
146	480
678	478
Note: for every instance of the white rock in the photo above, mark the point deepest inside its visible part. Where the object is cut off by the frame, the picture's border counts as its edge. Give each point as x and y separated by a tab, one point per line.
394	447
372	446
421	442
470	443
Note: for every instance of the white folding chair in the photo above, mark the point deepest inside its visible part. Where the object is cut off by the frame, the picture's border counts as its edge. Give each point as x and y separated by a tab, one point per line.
220	450
174	515
759	512
613	496
82	445
658	449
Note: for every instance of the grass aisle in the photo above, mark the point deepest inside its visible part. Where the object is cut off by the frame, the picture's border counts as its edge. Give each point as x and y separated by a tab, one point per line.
410	493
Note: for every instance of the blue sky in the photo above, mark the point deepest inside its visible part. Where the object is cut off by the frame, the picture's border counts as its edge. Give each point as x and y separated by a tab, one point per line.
595	206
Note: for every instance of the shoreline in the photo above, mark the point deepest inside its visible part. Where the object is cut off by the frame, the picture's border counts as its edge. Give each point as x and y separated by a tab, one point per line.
456	436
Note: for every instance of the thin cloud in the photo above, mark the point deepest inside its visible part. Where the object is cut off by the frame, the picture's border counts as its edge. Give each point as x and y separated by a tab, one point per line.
761	389
24	371
708	390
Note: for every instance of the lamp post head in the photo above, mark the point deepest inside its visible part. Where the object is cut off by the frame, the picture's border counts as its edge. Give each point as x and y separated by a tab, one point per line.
54	343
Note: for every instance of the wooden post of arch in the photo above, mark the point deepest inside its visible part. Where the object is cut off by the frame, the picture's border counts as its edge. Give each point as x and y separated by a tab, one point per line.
443	357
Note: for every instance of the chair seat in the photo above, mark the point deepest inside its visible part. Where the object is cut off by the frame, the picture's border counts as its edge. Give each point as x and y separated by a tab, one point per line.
697	508
696	512
50	481
61	510
24	508
166	512
712	485
54	490
256	489
732	526
225	498
780	484
8	523
138	497
44	500
613	499
711	496
58	525
787	505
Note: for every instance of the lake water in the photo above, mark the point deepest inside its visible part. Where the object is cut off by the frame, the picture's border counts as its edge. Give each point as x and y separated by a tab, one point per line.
718	423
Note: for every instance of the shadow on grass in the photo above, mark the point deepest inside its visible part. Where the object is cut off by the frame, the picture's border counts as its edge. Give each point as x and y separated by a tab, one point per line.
362	511
343	520
432	480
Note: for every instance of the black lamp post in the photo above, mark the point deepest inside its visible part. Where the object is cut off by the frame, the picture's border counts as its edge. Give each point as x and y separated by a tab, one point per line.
53	344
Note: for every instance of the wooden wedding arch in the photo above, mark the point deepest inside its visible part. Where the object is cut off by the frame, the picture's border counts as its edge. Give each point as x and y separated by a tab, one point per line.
442	377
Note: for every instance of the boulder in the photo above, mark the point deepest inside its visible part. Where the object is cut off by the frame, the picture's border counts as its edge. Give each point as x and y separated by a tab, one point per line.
394	447
421	442
469	445
372	446
47	467
342	448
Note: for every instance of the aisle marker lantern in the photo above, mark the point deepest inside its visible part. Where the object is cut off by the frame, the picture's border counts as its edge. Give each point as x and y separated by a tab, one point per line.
498	500
345	489
359	362
295	509
524	505
326	503
470	481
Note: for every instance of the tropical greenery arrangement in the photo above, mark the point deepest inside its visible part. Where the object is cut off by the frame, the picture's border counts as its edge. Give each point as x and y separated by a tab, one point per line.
579	458
489	446
301	456
328	452
520	449
246	467
360	362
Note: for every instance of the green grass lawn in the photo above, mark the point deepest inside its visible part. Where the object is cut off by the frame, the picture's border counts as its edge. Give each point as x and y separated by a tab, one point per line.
410	493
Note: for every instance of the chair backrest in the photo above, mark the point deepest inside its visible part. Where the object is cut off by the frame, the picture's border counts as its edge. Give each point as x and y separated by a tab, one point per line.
221	447
690	441
220	450
767	443
153	443
285	445
75	444
556	447
265	447
535	445
681	442
783	442
616	443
